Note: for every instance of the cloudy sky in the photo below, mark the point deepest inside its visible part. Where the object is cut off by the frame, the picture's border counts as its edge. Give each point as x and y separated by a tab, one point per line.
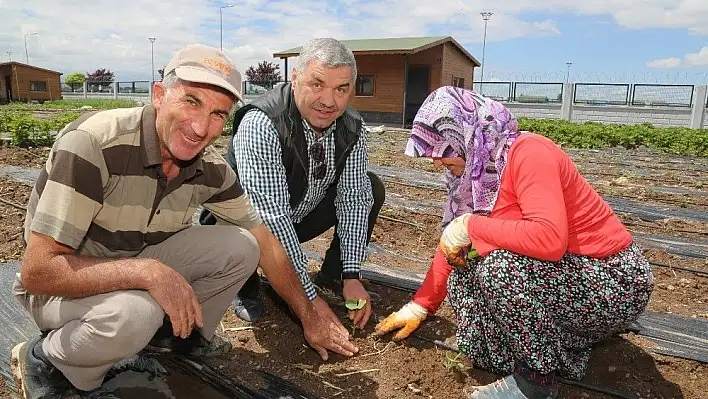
526	38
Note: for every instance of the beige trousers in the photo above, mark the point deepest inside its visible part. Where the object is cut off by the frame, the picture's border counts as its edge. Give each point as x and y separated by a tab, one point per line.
87	336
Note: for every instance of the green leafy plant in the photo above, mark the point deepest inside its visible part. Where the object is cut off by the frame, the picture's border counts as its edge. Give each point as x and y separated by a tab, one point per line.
26	130
595	135
70	104
453	363
355	304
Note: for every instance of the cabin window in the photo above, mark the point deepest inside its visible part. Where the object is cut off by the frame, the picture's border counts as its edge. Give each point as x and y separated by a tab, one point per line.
365	85
36	85
458	82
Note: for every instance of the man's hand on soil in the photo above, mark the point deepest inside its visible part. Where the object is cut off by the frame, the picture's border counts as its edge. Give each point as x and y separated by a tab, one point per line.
322	334
326	313
354	290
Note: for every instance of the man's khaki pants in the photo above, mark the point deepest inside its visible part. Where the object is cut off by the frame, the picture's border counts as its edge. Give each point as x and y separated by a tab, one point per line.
87	336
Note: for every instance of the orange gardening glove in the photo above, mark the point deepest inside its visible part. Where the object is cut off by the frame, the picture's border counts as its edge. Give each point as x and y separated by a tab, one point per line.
409	317
455	242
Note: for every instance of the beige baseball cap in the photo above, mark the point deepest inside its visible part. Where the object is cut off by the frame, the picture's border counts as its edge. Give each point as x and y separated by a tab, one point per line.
204	64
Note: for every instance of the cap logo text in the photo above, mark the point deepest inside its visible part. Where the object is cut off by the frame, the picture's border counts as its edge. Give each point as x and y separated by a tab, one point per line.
224	67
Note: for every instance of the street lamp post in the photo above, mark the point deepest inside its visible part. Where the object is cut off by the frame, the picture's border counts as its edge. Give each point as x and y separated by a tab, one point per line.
485	16
26	54
152	58
567	75
221	26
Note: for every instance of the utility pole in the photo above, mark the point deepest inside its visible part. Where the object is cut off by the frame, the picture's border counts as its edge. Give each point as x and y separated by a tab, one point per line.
152	58
485	16
26	54
9	55
221	26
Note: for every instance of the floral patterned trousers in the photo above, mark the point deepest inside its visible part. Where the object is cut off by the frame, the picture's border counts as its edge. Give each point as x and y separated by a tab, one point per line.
511	307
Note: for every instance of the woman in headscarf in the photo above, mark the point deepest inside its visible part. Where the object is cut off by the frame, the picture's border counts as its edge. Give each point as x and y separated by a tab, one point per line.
534	262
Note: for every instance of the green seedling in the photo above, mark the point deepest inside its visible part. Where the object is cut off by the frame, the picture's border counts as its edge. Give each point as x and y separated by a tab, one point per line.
472	254
355	304
452	361
352	305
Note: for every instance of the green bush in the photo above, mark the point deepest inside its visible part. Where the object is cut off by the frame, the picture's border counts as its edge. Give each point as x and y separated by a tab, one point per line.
595	135
26	130
97	103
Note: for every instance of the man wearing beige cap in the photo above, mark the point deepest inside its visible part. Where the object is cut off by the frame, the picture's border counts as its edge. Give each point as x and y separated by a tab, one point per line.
112	258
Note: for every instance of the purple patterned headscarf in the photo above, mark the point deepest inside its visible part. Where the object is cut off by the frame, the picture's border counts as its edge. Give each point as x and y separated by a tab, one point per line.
454	122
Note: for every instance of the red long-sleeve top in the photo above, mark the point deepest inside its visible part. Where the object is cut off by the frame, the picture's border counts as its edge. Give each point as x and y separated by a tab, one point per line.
545	209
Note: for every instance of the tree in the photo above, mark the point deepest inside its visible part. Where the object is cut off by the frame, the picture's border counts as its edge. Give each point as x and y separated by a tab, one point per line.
74	79
266	74
98	79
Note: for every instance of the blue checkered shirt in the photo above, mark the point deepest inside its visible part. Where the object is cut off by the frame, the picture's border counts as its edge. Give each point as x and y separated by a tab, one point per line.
262	174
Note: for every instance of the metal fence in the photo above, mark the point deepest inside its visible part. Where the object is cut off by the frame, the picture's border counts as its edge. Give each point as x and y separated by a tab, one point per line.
627	94
258	88
662	95
648	95
140	86
500	91
601	94
523	92
72	87
528	92
137	86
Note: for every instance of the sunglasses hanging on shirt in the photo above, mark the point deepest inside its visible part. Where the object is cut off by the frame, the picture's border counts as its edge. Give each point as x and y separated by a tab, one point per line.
317	153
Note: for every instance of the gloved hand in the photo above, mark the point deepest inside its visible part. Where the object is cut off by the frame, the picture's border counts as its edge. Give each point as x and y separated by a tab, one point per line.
455	242
409	317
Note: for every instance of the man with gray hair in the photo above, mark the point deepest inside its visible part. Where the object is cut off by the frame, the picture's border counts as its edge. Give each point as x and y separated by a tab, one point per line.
300	153
111	249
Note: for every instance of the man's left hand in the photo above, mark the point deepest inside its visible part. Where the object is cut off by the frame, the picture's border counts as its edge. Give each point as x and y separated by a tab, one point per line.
354	290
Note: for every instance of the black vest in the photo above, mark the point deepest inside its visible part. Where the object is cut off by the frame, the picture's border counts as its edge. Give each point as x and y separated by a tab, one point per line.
280	107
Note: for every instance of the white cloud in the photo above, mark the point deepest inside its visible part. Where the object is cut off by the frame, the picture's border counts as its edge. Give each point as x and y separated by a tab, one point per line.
697	59
78	35
672	62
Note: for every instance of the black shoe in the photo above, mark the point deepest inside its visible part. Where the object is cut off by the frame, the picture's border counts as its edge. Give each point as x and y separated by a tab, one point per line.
99	393
195	345
140	363
36	377
248	309
198	346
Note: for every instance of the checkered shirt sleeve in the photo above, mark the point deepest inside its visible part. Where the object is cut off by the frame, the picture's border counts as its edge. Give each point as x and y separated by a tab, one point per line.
353	203
258	160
